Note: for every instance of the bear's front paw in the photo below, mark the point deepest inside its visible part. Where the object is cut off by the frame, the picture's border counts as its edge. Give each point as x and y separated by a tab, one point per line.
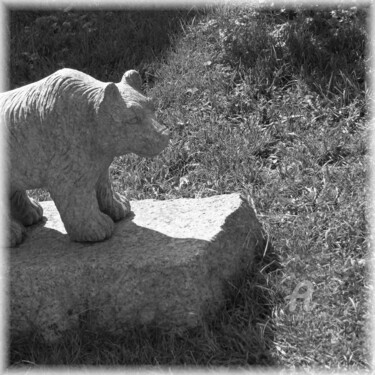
120	207
93	229
25	209
17	233
33	214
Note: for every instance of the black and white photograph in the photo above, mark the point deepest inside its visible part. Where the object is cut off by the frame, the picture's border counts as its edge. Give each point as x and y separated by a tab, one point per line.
188	186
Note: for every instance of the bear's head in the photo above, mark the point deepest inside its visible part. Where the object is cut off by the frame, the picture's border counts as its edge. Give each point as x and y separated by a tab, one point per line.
127	119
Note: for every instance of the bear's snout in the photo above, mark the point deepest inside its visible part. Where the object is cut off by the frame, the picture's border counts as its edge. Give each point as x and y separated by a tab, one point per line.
158	137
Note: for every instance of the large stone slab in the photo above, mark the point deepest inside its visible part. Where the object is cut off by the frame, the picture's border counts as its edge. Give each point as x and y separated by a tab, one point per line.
168	264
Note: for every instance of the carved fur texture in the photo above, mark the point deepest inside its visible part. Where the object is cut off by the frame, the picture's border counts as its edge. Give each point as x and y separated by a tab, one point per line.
63	133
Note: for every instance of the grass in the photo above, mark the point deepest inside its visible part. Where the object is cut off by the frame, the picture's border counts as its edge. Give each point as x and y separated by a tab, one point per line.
272	104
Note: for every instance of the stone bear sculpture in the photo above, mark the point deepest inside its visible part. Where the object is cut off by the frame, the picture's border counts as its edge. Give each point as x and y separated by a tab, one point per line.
63	133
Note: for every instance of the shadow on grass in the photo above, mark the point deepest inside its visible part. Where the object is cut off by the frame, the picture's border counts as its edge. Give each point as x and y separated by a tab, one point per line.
102	43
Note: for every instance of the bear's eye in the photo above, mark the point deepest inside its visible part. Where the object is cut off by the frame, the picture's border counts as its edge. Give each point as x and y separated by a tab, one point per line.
139	112
133	120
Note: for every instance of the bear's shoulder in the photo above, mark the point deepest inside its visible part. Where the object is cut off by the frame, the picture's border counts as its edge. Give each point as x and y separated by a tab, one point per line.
70	81
68	73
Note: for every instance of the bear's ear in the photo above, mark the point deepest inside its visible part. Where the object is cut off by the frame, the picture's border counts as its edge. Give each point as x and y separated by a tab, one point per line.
110	92
132	78
109	98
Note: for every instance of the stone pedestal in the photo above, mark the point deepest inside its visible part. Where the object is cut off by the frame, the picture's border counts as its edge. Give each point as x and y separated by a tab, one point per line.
168	264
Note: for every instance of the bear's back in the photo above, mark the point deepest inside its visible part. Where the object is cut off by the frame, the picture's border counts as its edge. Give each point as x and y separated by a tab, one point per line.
40	97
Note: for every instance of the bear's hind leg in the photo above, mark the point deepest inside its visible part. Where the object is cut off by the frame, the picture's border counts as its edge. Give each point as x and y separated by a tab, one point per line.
25	209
